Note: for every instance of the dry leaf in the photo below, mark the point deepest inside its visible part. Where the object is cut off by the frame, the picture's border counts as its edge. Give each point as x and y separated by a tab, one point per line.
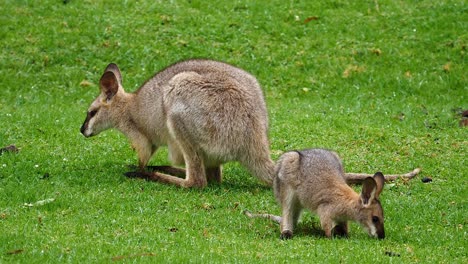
86	83
14	252
205	232
352	69
377	52
447	67
307	20
207	206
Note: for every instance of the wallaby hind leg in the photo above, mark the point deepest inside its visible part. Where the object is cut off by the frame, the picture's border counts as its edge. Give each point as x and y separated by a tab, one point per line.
214	174
291	210
179	172
195	175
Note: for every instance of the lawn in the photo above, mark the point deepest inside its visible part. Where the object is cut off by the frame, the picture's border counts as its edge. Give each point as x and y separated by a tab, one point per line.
381	82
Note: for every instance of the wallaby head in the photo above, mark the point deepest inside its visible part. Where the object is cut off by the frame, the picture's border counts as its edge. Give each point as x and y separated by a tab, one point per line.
106	110
371	215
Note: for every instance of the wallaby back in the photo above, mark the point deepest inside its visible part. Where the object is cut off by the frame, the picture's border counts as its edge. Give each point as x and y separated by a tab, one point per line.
314	179
207	112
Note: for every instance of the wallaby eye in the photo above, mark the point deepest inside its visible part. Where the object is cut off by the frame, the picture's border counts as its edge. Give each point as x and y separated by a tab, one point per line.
92	113
375	219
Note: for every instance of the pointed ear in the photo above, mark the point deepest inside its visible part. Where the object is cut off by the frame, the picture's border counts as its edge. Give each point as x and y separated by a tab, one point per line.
380	181
109	85
369	190
112	67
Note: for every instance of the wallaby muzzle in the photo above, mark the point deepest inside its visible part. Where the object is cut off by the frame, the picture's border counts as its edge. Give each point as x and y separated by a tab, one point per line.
381	234
85	126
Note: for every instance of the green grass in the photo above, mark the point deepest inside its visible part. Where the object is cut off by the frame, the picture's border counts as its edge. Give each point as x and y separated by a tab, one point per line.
380	82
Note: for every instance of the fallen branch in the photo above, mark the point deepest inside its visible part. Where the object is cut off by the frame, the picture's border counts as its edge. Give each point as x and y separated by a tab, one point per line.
358	178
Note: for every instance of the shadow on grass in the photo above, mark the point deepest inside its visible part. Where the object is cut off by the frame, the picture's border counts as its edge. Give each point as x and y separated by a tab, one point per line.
232	183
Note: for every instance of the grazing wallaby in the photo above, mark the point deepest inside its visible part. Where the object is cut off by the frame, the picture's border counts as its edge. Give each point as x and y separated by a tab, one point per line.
314	179
206	112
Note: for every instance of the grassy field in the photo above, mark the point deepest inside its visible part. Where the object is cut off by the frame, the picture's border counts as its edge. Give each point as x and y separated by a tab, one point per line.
381	82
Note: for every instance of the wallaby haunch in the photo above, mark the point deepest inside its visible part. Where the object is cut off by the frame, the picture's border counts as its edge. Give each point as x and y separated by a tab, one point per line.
314	179
206	112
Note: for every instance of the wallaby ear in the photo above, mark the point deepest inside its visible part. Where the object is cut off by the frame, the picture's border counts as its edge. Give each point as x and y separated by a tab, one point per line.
380	181
369	190
112	67
109	84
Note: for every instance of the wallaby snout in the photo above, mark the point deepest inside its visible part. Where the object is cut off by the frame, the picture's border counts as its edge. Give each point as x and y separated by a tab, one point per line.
84	127
92	126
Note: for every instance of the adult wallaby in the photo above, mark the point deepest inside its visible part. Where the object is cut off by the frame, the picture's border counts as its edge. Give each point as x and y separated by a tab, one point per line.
314	179
206	112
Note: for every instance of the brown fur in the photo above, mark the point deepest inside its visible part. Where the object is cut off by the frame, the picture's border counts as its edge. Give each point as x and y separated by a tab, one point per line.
206	112
314	179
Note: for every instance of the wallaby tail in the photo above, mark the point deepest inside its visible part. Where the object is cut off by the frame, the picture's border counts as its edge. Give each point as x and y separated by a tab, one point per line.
274	218
358	178
263	168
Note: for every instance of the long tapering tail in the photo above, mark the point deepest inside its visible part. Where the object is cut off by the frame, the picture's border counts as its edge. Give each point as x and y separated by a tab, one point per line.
274	218
358	178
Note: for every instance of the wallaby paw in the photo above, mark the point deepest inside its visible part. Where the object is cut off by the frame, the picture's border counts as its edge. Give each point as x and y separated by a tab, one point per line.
286	234
339	231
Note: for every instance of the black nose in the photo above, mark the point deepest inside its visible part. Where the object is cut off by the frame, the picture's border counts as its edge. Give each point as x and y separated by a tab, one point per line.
381	235
82	129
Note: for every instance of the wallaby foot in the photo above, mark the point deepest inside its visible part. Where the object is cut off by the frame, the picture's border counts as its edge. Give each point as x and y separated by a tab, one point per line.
341	230
214	174
141	175
164	178
179	172
358	178
286	234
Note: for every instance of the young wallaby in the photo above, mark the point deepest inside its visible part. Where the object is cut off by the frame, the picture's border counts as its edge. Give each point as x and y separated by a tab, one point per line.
314	179
206	112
